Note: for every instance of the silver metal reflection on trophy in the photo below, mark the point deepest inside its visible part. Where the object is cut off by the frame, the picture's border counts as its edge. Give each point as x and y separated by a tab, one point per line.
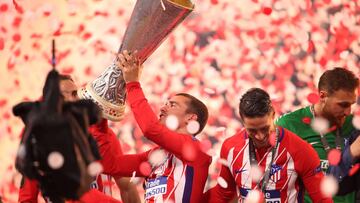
150	23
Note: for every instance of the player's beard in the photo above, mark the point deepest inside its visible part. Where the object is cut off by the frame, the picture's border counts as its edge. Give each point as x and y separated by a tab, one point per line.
326	112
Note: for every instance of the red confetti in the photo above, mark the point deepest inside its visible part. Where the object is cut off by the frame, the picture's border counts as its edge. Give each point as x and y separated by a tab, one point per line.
313	98
16	82
267	10
306	120
86	36
2	44
3	29
214	2
80	28
9	129
46	13
3	102
145	168
323	61
16	37
67	70
311	47
88	71
334	157
11	64
4	7
17	52
354	169
17	21
101	13
6	116
17	7
261	34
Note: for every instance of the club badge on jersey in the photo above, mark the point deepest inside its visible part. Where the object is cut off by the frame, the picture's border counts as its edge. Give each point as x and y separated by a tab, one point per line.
275	173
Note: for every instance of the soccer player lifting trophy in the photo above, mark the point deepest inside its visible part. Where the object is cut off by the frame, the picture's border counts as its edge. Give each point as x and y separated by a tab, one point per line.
151	21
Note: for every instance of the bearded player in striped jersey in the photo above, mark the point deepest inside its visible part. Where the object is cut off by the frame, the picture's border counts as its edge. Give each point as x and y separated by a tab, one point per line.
289	165
181	174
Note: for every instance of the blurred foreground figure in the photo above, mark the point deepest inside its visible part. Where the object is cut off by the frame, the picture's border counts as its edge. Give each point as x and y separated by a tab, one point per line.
56	148
28	192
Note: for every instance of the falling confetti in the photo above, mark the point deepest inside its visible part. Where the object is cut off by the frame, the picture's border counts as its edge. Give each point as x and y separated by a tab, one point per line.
329	186
172	122
313	98
222	182
193	127
320	125
94	168
55	160
334	157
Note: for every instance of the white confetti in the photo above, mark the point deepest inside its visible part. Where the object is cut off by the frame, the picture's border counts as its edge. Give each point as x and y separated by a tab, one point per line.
172	122
193	127
329	186
222	182
320	125
55	160
94	168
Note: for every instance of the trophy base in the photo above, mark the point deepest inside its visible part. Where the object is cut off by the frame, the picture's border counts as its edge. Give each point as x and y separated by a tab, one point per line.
109	111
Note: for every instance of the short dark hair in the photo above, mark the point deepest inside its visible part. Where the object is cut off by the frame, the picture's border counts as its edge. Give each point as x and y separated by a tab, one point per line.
338	79
197	107
255	103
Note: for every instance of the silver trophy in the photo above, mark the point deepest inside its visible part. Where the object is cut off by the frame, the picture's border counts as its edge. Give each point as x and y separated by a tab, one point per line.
151	21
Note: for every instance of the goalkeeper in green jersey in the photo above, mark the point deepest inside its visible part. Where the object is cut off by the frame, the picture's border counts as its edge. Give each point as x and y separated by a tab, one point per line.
337	89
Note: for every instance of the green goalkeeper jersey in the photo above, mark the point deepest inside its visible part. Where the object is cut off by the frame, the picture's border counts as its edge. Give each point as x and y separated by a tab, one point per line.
299	122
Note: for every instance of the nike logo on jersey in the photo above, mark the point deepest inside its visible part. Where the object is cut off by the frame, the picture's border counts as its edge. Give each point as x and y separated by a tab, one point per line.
240	170
313	143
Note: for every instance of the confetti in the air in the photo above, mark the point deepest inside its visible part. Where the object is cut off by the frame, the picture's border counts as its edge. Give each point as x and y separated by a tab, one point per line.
320	125
329	186
256	173
356	121
172	122
55	160
222	182
157	157
94	168
334	157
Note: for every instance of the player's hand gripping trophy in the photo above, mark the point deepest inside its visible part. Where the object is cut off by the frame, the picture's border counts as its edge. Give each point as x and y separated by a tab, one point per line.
151	21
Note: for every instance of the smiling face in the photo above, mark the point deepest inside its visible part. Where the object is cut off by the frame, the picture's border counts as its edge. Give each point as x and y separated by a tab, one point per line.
259	129
337	106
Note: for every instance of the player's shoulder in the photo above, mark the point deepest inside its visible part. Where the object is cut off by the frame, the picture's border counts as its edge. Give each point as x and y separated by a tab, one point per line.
293	115
238	139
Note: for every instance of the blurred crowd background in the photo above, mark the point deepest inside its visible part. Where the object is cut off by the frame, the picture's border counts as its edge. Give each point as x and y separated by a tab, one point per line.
223	48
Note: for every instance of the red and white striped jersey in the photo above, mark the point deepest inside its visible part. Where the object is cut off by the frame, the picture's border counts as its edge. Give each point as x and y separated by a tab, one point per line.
177	178
296	167
102	183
